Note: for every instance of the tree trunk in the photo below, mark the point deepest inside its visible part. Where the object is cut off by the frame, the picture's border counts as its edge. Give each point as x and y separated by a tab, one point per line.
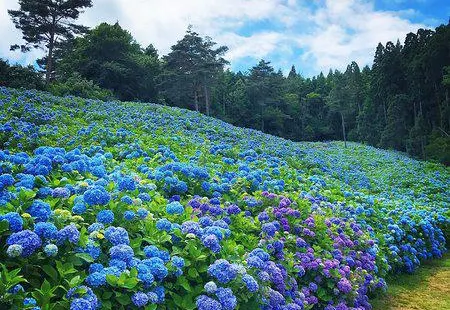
343	130
49	68
205	88
51	45
196	100
262	117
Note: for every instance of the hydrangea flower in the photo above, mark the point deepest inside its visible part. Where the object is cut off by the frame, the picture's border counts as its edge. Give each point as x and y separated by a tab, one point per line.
96	195
40	210
14	250
121	252
210	287
69	233
28	240
139	299
51	250
45	230
175	208
117	235
126	183
14	220
223	271
105	217
164	224
250	283
207	303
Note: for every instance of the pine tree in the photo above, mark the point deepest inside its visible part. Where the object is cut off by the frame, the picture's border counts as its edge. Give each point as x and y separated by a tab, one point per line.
44	22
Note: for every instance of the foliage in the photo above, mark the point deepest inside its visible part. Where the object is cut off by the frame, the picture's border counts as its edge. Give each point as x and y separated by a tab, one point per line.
109	56
43	23
124	205
17	76
76	85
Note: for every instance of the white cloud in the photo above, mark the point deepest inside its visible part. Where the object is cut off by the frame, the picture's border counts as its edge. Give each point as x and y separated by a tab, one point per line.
313	35
348	30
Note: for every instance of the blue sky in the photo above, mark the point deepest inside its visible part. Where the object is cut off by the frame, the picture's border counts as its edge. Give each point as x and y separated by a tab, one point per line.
314	35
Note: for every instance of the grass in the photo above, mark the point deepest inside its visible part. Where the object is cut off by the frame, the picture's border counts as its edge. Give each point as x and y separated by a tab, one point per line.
426	289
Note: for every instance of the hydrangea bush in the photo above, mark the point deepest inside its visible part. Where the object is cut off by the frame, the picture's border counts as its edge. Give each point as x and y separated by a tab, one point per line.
110	205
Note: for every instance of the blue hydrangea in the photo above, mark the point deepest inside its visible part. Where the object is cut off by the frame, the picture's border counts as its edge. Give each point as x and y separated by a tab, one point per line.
44	192
95	227
29	302
157	268
207	303
79	208
95	267
105	217
139	299
96	195
250	283
145	197
223	271
226	298
152	298
175	208
121	252
69	233
177	261
40	210
81	304
210	287
269	229
6	180
161	293
61	192
142	213
190	227
16	289
51	250
14	250
127	199
29	241
117	235
212	243
126	183
129	215
14	220
45	230
96	279
164	224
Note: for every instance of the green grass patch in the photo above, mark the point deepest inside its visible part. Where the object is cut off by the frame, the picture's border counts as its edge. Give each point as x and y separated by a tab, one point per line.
428	288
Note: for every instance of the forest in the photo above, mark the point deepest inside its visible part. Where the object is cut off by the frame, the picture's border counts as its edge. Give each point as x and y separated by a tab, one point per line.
401	102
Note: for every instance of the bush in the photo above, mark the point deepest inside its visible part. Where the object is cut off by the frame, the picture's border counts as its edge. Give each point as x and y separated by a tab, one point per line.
78	86
17	76
439	148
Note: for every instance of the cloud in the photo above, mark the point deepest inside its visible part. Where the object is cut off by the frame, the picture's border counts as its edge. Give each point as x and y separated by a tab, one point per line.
313	35
349	30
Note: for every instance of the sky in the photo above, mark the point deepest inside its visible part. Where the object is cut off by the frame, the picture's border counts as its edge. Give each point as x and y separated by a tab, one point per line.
313	35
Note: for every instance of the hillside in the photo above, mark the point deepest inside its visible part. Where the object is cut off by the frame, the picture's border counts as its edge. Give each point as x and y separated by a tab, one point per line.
131	205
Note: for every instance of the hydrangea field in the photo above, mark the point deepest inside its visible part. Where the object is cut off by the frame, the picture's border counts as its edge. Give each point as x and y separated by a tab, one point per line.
111	205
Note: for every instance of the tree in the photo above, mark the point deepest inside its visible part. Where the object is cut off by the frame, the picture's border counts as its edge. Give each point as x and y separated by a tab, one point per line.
109	56
191	70
16	76
44	22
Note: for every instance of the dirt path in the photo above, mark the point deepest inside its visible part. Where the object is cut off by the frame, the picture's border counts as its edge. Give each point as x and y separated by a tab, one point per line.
427	289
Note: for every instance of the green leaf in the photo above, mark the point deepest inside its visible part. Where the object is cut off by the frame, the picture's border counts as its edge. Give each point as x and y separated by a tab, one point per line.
193	273
123	299
130	283
111	279
184	283
75	281
86	257
4	226
51	272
